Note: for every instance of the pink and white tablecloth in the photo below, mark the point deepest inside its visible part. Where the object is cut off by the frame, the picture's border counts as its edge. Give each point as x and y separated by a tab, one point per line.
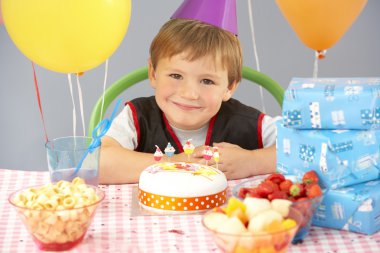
115	230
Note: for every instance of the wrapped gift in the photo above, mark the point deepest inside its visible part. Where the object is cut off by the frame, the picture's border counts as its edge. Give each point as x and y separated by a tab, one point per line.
355	208
332	103
340	157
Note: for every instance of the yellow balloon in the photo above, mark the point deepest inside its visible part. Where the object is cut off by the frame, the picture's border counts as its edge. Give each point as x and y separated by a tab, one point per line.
67	36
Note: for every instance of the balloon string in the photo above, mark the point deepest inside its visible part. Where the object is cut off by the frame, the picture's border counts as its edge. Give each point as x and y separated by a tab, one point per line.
104	89
315	70
39	101
81	105
319	55
72	100
255	50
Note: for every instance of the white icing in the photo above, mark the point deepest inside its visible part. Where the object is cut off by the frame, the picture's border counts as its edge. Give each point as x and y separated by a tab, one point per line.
197	180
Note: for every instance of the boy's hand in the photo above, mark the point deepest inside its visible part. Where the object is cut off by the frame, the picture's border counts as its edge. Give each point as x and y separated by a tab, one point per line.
235	161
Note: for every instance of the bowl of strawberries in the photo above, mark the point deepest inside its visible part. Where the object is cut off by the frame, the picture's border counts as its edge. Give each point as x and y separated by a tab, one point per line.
304	192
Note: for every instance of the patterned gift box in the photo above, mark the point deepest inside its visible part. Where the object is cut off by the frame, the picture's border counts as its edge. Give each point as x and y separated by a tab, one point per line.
355	208
332	103
340	157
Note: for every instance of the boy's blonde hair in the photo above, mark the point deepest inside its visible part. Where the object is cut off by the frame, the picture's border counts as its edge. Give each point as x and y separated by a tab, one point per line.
198	39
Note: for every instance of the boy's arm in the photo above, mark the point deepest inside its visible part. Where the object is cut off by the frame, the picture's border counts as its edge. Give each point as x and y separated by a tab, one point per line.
119	165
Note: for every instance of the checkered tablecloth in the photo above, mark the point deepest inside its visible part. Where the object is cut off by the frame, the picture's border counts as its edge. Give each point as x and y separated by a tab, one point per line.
115	230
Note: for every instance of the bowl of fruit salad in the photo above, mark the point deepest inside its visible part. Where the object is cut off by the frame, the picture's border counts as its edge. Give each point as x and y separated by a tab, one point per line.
253	225
305	194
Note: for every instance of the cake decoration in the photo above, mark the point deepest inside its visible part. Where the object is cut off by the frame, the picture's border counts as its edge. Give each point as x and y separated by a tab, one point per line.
158	154
169	150
207	153
192	168
188	148
216	156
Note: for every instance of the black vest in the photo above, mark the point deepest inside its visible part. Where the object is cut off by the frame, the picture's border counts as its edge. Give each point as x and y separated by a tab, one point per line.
235	123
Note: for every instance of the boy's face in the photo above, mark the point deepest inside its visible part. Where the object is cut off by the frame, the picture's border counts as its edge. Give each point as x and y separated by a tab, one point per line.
190	93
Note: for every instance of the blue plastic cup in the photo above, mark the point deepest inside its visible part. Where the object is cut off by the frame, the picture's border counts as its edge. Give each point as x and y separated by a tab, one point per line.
65	153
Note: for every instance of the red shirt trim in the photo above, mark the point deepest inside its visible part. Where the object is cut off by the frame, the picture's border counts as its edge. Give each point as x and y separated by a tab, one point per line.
260	130
209	131
135	121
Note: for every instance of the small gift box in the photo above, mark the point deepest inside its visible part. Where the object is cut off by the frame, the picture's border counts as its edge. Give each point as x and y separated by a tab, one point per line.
340	157
355	208
332	103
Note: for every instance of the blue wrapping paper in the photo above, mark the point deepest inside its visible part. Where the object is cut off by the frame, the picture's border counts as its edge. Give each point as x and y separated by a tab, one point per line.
340	157
332	103
355	208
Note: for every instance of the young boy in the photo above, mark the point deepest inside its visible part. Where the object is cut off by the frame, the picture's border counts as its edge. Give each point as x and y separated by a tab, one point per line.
194	68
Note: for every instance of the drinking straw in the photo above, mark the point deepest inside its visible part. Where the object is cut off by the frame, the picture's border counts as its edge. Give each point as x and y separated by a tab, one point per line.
103	127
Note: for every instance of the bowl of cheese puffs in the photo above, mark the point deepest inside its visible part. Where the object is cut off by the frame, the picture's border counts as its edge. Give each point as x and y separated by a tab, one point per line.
58	215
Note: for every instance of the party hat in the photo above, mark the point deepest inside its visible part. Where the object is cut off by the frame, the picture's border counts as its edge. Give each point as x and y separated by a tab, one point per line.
220	13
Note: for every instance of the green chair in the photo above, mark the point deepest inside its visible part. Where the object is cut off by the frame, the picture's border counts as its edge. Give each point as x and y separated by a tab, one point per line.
141	74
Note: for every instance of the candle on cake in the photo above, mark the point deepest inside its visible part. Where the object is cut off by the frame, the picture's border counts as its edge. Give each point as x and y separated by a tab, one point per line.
216	156
158	154
207	153
188	148
169	150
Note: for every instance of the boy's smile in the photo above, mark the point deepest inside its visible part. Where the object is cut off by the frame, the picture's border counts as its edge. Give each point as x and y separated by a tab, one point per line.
186	107
190	93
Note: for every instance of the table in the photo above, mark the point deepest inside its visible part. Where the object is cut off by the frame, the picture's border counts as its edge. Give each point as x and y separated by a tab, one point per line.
114	230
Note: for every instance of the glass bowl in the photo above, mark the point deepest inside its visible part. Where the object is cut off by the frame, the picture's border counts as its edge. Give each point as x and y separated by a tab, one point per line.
56	230
306	207
277	242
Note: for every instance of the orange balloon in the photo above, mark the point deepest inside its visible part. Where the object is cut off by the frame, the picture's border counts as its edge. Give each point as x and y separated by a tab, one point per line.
321	23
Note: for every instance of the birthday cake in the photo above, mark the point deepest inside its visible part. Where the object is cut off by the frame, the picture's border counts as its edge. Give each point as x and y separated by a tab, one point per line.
181	187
